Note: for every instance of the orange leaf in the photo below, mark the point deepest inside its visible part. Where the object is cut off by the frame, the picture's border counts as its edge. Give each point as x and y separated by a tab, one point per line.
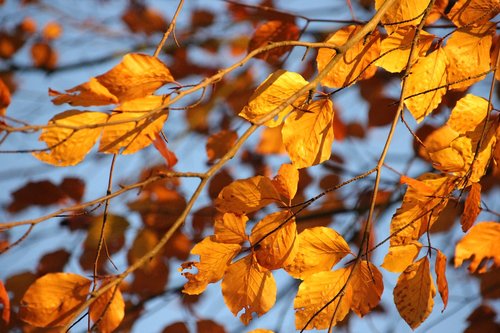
246	195
319	249
468	12
400	257
356	64
367	288
428	73
315	292
270	141
286	181
248	286
4	97
479	245
270	94
5	301
230	228
437	11
414	293
472	207
419	186
440	268
214	259
218	144
407	12
167	154
274	240
52	30
273	31
53	299
113	233
108	310
85	94
308	135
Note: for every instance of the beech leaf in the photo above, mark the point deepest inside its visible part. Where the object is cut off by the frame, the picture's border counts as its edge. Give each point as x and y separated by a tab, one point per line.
108	310
479	245
442	283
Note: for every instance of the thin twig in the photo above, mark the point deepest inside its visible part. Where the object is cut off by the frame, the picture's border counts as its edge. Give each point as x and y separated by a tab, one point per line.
171	27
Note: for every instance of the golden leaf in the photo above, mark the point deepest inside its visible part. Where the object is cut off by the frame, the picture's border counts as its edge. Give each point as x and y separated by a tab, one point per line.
315	292
396	48
85	94
143	104
248	286
367	288
402	13
272	93
477	12
356	64
308	135
442	283
274	240
428	73
53	299
270	142
468	114
468	53
437	11
399	257
472	207
68	145
230	228
479	245
286	181
273	31
319	249
414	293
246	195
108	310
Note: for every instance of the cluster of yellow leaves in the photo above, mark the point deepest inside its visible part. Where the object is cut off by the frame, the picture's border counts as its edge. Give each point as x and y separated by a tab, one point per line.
70	135
53	300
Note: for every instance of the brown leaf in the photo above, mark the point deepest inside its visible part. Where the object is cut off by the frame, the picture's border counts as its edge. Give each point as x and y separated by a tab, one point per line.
5	301
218	144
43	56
442	283
472	207
53	262
209	326
144	19
367	288
273	31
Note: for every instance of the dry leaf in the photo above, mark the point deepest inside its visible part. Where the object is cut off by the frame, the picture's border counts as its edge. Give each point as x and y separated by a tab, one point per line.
270	141
107	311
402	13
473	12
273	31
308	134
442	283
113	233
437	11
218	144
144	19
367	288
414	293
4	97
208	326
286	181
399	257
44	56
479	245
271	94
230	228
5	301
248	286
53	299
472	207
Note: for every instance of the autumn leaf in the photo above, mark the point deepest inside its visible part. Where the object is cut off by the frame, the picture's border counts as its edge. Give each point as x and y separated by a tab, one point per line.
414	293
402	13
399	257
5	97
427	75
53	299
273	31
113	233
108	311
367	287
308	134
479	245
214	259
271	141
5	301
356	64
274	240
68	144
218	144
270	94
248	286
315	292
319	249
246	195
472	207
442	283
419	186
477	12
230	228
286	181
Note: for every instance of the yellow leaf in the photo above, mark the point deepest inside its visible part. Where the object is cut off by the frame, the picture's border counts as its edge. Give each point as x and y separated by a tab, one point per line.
367	288
131	135
108	310
395	49
428	73
85	94
274	241
417	185
248	286
477	12
468	53
356	64
68	145
402	13
53	299
400	257
319	249
143	104
468	114
246	195
414	293
472	207
214	259
442	283
480	245
308	135
315	292
270	94
286	181
230	228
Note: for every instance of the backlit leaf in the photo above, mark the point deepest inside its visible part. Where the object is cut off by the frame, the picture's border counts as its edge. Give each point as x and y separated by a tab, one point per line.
270	94
442	283
479	245
414	293
68	144
356	64
428	73
85	94
399	257
286	181
108	310
53	299
271	141
472	207
402	13
248	286
367	288
318	250
218	144
230	228
273	31
308	134
468	12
